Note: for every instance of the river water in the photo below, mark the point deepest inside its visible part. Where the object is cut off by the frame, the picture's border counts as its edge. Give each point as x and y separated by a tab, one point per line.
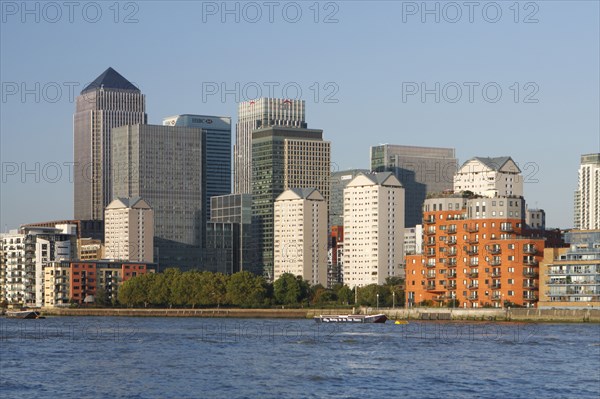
120	357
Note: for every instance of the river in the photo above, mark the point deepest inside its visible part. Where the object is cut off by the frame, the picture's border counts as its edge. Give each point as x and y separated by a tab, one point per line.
123	357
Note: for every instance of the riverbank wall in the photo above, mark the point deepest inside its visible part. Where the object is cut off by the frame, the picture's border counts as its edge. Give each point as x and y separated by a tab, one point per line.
524	315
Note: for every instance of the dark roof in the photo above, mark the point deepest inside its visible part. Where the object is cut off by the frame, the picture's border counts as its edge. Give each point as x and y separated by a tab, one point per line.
493	163
110	79
303	192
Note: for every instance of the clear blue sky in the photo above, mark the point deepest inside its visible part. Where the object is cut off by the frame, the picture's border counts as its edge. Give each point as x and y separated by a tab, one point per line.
371	57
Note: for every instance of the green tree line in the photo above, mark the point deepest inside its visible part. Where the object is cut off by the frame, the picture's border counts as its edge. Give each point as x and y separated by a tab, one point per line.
174	288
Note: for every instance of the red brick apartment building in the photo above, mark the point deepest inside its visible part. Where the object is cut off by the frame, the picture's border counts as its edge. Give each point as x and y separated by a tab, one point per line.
475	254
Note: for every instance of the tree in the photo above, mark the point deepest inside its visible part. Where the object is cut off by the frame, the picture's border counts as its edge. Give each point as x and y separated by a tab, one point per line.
246	290
290	290
101	297
367	296
344	294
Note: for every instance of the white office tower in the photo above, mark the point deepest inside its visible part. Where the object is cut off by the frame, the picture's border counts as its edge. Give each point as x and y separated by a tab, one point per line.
587	196
373	229
300	235
129	230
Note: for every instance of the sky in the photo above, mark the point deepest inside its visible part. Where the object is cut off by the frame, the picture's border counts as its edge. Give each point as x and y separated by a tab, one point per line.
504	78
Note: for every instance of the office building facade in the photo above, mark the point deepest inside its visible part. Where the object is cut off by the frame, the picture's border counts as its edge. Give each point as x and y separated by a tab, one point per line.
109	101
163	165
284	158
217	152
234	209
259	114
420	170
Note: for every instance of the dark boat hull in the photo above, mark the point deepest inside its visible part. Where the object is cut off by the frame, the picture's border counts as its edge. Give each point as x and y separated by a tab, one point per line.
23	315
378	318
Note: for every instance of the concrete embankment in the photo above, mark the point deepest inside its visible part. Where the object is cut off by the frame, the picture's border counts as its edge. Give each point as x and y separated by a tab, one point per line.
529	315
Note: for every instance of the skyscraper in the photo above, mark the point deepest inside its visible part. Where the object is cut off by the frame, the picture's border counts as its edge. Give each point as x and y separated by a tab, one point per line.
284	158
587	196
163	165
257	114
217	152
233	213
107	102
421	170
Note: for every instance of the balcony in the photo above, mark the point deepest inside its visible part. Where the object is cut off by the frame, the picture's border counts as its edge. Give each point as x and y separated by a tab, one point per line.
473	262
496	250
530	287
428	265
495	262
452	252
429	220
430	287
473	297
473	274
496	274
473	229
507	228
452	275
430	253
496	286
451	230
430	232
430	243
496	297
472	241
430	276
451	263
473	286
472	251
529	249
531	262
451	242
530	298
530	273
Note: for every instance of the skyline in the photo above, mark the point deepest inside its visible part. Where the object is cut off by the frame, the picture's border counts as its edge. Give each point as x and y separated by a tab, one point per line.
375	74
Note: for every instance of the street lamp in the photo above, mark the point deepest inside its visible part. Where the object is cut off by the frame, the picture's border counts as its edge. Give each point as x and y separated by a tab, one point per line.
393	299
378	301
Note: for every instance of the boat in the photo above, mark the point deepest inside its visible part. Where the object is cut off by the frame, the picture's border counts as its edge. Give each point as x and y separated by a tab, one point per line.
24	314
351	318
401	322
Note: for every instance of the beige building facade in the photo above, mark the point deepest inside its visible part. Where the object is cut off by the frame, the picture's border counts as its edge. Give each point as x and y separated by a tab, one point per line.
129	230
